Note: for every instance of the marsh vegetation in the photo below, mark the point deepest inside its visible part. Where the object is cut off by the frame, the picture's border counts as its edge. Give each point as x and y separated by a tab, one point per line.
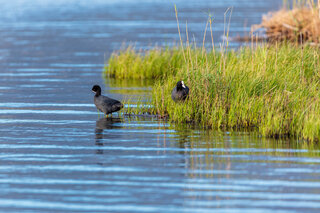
273	88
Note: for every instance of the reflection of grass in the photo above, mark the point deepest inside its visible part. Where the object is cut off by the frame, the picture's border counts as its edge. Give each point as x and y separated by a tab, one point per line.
213	153
220	142
219	151
269	147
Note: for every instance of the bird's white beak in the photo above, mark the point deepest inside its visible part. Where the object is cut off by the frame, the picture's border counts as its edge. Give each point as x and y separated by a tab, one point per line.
183	84
93	91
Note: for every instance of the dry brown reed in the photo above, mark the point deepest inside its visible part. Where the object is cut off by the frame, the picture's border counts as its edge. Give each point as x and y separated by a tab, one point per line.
300	24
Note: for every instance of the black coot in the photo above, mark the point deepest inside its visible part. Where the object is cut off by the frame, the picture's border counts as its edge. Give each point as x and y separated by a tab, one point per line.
180	92
105	104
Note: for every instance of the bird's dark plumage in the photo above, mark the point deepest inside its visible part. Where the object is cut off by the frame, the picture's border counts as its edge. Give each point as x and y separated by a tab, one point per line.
105	104
180	92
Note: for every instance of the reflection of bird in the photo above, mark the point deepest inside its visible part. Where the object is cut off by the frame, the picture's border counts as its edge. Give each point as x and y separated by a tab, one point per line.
180	92
105	104
105	123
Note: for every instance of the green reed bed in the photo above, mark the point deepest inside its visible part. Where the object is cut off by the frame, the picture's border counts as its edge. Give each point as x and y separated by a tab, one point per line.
272	88
128	63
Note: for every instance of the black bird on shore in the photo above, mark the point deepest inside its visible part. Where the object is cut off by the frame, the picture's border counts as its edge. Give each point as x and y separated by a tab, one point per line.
180	92
105	104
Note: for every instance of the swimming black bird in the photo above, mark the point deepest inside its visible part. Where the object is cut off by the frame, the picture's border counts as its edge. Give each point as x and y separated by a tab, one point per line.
105	104
180	92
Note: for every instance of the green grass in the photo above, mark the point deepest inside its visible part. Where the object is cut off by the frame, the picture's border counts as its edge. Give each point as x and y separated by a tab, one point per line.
151	64
274	89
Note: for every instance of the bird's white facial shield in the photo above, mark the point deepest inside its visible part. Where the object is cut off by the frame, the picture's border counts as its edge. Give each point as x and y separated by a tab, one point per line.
183	84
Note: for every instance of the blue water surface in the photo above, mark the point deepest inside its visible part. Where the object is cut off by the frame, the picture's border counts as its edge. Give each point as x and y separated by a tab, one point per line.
57	155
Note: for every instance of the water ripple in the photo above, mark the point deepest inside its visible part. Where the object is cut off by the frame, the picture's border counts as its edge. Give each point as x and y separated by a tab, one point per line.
58	155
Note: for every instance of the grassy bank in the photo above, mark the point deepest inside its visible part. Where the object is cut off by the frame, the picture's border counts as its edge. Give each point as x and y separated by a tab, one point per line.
274	89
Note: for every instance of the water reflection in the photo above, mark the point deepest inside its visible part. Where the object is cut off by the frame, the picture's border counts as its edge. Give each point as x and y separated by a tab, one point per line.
107	123
213	154
101	133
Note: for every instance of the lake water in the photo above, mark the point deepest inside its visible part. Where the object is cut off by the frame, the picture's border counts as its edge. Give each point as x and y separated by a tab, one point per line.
57	155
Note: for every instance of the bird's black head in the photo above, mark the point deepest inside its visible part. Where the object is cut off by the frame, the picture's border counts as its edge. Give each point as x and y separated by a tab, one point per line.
180	85
96	89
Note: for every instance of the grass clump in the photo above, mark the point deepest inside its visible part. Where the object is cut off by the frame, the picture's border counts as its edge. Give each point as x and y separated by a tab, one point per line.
299	24
272	88
154	63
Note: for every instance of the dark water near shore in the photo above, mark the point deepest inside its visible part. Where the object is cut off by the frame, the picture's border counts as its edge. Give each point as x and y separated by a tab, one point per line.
56	155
